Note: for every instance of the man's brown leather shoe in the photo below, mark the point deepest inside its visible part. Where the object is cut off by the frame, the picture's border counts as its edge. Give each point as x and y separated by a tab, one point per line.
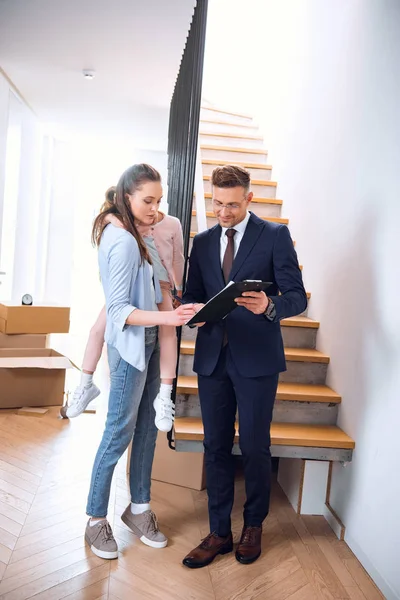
209	548
249	548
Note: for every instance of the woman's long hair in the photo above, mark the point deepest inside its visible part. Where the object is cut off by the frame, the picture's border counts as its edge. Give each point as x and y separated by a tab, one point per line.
116	203
109	201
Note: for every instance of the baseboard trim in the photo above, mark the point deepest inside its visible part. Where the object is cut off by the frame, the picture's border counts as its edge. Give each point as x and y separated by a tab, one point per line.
385	588
334	521
301	486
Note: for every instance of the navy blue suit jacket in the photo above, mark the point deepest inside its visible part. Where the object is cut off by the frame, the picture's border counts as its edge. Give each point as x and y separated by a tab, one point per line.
266	252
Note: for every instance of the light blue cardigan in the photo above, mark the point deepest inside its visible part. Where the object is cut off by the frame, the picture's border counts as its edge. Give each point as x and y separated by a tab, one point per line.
127	285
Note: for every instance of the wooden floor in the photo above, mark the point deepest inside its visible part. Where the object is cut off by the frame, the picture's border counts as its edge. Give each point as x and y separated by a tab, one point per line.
44	470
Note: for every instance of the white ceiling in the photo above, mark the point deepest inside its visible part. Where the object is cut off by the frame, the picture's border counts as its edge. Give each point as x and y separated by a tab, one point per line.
134	46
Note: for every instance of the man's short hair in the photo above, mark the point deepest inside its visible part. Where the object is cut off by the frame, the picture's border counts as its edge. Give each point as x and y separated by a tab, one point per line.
230	176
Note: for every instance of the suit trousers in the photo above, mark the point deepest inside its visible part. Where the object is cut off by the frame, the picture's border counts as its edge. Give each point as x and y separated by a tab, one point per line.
221	394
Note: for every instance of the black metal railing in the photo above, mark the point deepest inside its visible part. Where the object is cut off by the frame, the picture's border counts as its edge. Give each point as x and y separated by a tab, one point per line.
184	123
183	134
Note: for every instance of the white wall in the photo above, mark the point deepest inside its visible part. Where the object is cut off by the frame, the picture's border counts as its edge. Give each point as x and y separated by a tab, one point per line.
4	103
36	208
50	191
323	80
20	170
58	224
25	197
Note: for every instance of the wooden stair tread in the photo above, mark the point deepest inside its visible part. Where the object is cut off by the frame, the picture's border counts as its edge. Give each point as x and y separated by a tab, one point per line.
231	135
233	149
229	123
254	199
296	392
305	392
266	182
257	200
187	383
300	322
282	434
248	165
308	355
226	112
211	215
187	346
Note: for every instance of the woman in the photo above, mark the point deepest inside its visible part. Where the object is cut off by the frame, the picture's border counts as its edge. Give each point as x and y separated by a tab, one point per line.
132	294
164	241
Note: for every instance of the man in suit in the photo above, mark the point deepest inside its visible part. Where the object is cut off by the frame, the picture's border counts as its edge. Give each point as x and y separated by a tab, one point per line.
238	360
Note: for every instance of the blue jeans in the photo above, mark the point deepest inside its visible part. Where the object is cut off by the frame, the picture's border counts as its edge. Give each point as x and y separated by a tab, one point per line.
130	416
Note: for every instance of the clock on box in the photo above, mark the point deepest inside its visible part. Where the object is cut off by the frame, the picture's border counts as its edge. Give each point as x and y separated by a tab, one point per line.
33	318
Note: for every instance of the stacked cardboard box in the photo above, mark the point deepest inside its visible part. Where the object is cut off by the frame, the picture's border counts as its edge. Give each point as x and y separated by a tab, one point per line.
27	340
31	374
38	319
179	468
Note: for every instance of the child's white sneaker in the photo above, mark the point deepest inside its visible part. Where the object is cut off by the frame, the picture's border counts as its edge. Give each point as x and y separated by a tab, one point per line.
165	413
82	397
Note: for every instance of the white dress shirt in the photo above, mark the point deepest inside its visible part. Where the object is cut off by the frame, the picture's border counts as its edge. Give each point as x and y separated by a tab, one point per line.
240	228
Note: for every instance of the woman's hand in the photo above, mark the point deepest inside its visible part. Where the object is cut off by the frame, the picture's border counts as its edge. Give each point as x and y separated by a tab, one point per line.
179	316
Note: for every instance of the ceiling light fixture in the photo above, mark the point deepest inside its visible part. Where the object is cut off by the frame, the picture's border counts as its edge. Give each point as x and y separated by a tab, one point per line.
88	73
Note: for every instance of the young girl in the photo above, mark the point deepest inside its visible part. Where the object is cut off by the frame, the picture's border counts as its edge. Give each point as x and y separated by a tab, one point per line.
132	293
164	241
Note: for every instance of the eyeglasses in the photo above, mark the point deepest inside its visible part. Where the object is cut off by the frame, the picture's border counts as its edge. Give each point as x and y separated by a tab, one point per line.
230	207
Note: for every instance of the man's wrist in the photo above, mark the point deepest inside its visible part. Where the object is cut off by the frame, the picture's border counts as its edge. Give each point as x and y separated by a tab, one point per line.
270	311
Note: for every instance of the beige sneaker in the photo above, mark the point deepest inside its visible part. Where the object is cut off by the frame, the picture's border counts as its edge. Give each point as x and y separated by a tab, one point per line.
101	540
145	526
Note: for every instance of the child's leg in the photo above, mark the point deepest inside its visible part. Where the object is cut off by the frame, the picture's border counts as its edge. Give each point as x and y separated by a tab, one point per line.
87	390
95	343
168	356
168	342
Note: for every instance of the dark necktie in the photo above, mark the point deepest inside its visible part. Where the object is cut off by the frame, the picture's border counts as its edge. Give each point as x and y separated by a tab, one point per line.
229	254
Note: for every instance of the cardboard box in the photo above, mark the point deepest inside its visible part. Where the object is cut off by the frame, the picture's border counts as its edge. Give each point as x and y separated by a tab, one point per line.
24	341
178	468
33	319
32	411
32	377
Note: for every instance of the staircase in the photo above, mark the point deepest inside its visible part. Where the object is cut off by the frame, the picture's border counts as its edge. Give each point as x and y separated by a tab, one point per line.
306	409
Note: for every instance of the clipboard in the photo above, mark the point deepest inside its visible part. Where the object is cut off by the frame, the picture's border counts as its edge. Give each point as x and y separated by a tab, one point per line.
224	303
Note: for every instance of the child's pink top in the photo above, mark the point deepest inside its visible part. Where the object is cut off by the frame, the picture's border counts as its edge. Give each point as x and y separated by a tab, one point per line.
168	239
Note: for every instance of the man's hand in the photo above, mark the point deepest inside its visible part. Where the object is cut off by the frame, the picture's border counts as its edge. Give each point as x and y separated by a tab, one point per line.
255	302
198	307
